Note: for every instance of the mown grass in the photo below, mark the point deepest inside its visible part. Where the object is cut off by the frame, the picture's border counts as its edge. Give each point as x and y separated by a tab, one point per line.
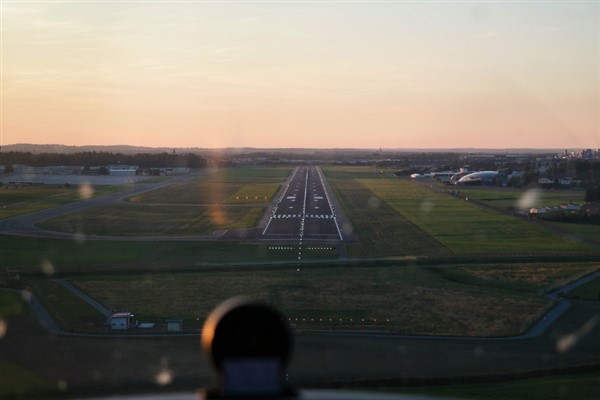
12	305
589	231
219	187
18	383
65	308
351	172
381	230
257	193
585	386
530	277
26	199
466	228
31	254
255	174
403	299
587	291
199	207
145	220
518	198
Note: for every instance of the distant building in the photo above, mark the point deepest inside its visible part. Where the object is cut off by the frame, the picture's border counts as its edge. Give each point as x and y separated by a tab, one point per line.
479	178
121	321
443	176
174	325
122	170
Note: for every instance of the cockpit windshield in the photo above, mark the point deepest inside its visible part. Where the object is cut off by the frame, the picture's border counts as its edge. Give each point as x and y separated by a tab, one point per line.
413	186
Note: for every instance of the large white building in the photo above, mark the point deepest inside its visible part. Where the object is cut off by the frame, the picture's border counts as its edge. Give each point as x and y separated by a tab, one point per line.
478	178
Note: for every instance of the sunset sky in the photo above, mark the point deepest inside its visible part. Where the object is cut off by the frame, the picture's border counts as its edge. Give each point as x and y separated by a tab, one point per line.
302	74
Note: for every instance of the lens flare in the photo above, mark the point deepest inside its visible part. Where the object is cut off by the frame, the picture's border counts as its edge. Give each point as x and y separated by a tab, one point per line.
529	199
47	268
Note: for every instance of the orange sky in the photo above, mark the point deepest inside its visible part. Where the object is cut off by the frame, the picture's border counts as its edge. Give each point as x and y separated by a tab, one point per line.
297	74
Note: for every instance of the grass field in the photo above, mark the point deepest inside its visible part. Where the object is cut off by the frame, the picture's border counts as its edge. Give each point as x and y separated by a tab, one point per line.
66	309
257	193
463	227
517	198
145	220
589	231
514	198
345	172
531	277
397	217
18	383
12	305
227	199
220	187
561	387
26	199
588	291
403	299
29	254
374	221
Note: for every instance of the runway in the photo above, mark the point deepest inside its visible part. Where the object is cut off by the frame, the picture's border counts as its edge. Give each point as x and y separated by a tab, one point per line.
304	211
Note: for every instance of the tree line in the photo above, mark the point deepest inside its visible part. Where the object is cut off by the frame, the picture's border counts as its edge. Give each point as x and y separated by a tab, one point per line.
92	158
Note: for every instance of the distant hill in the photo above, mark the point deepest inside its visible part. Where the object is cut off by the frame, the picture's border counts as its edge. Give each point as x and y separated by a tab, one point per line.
127	149
64	149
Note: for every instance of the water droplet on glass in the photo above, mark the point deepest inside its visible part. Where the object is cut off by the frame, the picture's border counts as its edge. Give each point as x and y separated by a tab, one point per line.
47	268
86	191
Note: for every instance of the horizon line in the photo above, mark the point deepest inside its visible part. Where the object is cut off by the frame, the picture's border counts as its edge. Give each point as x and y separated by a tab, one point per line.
377	148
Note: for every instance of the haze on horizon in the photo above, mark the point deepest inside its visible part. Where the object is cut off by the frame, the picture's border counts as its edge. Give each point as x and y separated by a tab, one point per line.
302	74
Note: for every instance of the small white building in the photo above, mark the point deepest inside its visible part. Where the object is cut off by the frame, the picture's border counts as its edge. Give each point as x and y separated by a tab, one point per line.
121	321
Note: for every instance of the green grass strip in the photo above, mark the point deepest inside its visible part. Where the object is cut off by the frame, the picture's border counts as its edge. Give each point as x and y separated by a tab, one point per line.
464	227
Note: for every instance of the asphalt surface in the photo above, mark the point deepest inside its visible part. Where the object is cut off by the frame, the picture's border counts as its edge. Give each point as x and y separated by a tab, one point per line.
304	210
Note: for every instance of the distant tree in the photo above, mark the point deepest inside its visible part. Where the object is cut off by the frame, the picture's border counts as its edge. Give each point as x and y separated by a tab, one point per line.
587	169
91	158
514	181
529	178
556	184
8	169
592	194
103	171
